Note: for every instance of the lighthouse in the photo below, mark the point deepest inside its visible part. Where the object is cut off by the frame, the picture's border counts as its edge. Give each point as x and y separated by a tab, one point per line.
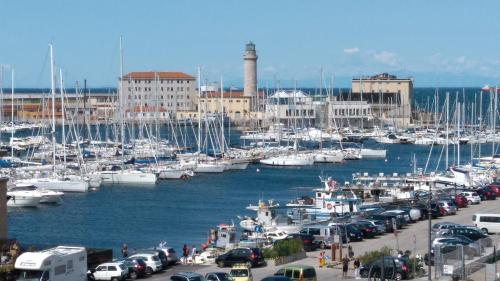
250	70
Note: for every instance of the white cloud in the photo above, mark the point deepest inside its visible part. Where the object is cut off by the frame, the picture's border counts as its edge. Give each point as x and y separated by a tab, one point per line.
386	57
270	68
351	51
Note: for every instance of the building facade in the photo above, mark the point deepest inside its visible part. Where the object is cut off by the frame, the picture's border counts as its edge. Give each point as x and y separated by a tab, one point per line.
292	108
158	94
389	96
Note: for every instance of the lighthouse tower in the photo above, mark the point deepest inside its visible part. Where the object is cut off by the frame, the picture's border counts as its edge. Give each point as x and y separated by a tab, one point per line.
250	69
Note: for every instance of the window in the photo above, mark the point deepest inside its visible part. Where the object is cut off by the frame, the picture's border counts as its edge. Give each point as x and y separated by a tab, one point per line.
112	268
489	219
69	265
178	278
61	269
296	274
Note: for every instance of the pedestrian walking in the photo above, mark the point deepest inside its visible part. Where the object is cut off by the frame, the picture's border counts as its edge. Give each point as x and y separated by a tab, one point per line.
124	251
357	265
185	253
345	266
321	258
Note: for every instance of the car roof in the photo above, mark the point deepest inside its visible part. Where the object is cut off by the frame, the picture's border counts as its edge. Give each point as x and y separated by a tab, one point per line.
187	274
297	266
111	263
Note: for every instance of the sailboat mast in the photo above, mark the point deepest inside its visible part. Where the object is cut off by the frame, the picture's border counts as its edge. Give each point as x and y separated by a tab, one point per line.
63	116
122	112
53	92
12	113
447	125
199	109
222	116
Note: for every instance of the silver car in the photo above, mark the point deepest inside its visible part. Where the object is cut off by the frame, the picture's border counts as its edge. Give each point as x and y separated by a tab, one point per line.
449	208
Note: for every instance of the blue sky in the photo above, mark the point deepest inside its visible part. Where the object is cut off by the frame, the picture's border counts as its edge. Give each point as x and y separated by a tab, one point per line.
439	43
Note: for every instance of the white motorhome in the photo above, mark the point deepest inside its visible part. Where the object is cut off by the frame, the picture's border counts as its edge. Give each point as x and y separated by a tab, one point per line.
61	263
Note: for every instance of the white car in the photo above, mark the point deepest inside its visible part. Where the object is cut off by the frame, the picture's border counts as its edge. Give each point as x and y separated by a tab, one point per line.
472	197
113	271
152	261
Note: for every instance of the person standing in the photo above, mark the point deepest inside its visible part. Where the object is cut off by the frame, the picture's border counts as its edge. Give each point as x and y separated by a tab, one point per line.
193	254
185	253
320	259
345	266
357	265
124	251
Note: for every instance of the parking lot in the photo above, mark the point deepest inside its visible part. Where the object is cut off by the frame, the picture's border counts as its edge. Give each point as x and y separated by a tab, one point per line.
413	237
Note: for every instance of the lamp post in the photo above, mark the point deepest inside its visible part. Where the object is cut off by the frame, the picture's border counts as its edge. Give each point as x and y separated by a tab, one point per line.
429	219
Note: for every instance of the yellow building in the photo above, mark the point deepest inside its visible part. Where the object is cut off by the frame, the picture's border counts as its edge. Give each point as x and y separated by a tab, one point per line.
236	106
389	96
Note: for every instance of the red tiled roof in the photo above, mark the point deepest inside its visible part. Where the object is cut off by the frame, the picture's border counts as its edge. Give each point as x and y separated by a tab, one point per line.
159	74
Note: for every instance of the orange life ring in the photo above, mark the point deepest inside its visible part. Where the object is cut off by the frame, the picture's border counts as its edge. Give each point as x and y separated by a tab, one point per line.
329	206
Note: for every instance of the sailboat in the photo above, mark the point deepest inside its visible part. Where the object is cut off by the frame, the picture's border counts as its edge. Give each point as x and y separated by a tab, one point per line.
54	181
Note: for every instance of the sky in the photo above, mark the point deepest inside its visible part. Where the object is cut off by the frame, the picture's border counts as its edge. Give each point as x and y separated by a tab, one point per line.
438	43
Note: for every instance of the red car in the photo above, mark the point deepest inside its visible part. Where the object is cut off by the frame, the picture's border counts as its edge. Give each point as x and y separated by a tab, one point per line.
460	201
495	187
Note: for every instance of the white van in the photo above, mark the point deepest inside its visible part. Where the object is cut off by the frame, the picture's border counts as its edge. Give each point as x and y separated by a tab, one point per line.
61	263
488	223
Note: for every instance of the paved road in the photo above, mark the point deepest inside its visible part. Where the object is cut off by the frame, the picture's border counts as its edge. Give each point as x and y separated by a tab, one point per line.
412	237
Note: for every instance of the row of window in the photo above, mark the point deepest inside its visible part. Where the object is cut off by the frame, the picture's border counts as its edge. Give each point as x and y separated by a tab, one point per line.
351	111
149	89
170	81
298	112
179	104
229	101
151	97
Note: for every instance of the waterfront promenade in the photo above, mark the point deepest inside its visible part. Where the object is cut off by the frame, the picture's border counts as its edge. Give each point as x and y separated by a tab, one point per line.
418	230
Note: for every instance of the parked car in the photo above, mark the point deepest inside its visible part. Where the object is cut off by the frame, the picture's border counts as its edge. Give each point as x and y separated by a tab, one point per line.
113	271
250	256
471	233
389	220
460	201
298	272
276	278
218	276
448	207
187	276
495	186
401	215
472	197
353	233
172	257
380	225
369	231
159	253
394	268
488	223
486	193
136	268
443	225
241	272
153	262
308	241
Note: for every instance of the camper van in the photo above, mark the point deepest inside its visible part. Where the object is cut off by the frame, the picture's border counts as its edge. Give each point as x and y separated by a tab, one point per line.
488	223
61	263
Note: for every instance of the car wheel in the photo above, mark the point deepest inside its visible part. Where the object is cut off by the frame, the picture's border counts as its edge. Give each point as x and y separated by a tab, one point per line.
248	264
133	275
149	270
398	277
220	264
469	202
114	279
484	230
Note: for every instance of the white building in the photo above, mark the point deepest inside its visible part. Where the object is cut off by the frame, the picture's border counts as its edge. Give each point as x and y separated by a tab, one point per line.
349	113
293	108
158	94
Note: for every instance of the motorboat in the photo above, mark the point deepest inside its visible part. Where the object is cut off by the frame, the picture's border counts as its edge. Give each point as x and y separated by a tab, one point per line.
328	156
47	196
209	167
23	198
65	184
173	173
373	153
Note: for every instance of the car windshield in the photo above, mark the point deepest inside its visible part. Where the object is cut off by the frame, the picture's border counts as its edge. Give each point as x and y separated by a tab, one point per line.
30	275
155	258
239	272
474	194
224	277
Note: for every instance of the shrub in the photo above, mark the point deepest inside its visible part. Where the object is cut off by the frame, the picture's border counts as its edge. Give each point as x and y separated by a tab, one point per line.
283	248
368	257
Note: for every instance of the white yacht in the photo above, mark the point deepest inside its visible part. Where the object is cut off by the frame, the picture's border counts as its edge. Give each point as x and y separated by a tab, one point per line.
23	198
56	183
328	156
289	160
127	177
47	196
